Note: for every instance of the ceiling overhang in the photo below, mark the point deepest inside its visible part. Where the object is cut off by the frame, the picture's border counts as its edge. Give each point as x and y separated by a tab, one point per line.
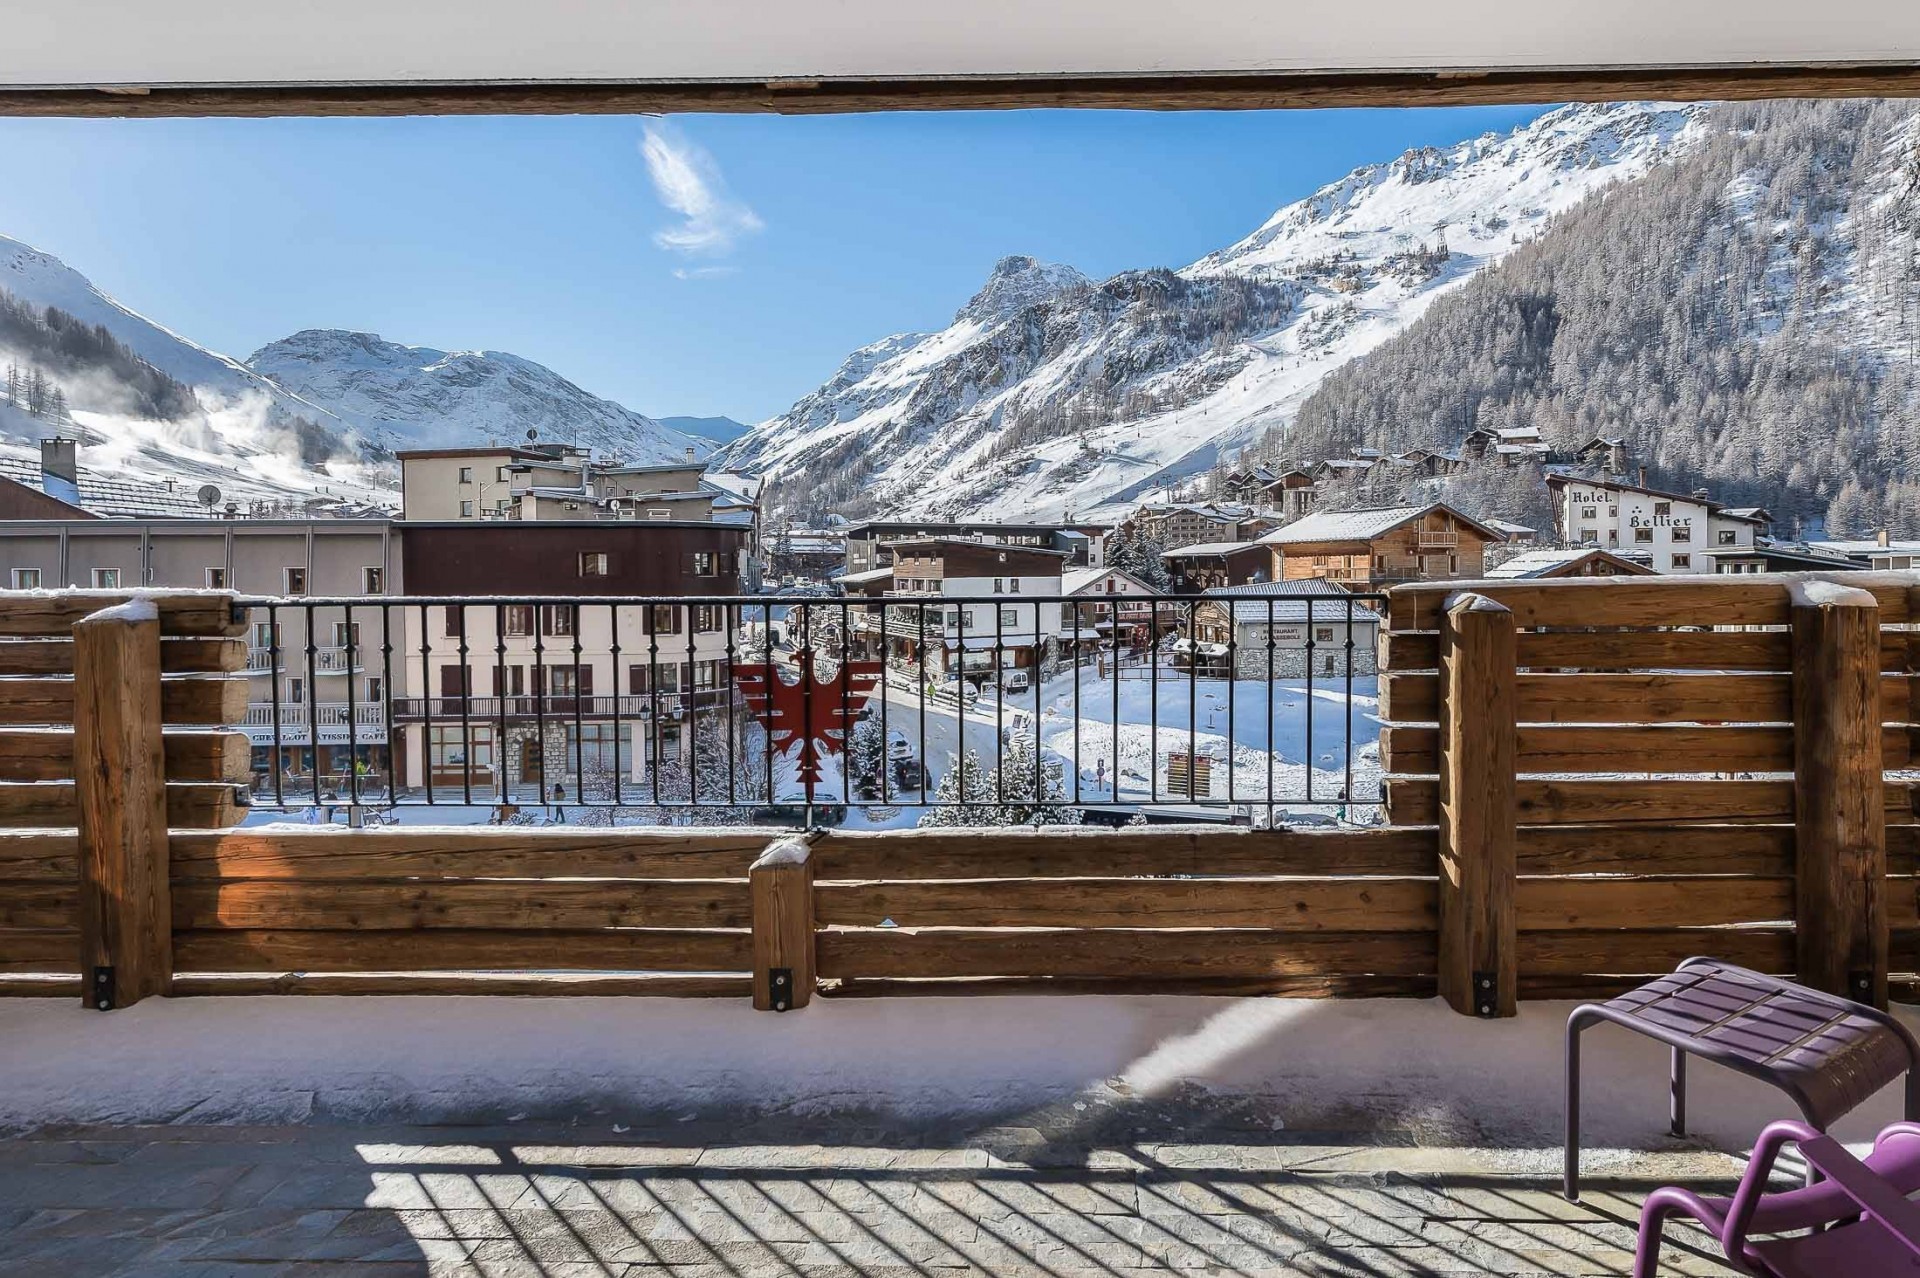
263	57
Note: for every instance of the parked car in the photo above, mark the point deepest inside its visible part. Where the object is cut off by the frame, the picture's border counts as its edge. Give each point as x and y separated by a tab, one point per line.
910	774
1013	680
898	747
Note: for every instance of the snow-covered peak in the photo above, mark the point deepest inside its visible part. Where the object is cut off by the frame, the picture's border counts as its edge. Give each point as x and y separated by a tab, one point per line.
1476	196
422	397
1017	282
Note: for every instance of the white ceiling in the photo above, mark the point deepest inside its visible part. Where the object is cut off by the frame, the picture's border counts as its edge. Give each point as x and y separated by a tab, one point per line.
180	42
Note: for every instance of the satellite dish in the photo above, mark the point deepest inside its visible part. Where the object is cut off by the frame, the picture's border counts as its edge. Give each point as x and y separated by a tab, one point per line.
209	496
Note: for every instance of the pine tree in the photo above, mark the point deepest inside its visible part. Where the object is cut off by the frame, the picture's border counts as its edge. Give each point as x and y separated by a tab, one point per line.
1012	785
965	794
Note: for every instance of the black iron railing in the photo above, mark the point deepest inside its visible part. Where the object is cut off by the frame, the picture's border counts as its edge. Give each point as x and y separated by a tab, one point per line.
993	709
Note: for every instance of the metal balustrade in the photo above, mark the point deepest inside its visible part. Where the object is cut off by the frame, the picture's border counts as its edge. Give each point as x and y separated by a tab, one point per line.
998	708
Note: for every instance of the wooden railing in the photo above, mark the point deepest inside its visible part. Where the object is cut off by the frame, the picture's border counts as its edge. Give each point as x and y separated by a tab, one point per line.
1624	772
1590	780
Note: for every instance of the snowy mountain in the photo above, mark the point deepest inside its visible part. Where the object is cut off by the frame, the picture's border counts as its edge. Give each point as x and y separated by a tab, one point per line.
418	397
720	430
150	403
1051	394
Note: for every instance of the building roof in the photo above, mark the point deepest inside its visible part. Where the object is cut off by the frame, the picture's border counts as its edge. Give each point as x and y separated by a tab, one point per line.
502	450
1210	549
1362	525
1556	561
1809	556
113	498
1510	528
1866	546
1075	580
1291	601
862	578
973	543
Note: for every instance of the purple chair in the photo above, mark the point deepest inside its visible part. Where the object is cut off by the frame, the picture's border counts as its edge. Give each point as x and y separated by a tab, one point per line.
1861	1220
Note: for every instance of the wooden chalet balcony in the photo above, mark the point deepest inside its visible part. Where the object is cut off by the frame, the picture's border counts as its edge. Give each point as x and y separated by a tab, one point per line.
1647	768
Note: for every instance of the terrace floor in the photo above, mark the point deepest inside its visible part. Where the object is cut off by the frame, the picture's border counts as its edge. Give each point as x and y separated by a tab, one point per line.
1016	1135
1037	1199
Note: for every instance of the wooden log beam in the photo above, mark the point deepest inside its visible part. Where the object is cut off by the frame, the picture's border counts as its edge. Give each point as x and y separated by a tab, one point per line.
46	754
1758	599
126	932
1307	905
469	852
781	882
1414	749
201	614
1839	805
1062	852
1478	807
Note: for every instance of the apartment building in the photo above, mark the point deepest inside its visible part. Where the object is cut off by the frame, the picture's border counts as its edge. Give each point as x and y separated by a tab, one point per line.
1207	565
510	684
1281	630
1672	530
1367	549
323	664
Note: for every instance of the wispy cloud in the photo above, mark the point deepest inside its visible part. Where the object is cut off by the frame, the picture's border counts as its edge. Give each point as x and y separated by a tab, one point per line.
703	272
688	182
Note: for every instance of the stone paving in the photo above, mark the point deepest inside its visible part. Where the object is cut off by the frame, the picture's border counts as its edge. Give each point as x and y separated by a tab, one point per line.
768	1197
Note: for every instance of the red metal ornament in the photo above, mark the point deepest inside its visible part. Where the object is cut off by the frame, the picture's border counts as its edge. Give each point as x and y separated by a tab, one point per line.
816	713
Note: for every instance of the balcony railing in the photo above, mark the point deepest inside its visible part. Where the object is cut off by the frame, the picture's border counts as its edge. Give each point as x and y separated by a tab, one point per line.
330	659
1021	707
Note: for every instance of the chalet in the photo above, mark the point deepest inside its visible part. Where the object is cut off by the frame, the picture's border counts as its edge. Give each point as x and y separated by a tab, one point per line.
1608	453
1001	623
1336	470
1217	563
1514	533
1290	495
1310	624
1510	445
1248	484
1370	548
868	543
1569	561
1671	528
1101	601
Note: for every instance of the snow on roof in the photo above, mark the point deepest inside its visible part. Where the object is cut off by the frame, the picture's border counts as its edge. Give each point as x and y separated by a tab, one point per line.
1357	525
114	497
1866	546
1509	527
1291	601
1076	580
1539	563
862	578
1208	549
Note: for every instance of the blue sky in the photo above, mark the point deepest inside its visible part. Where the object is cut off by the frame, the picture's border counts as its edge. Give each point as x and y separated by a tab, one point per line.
790	240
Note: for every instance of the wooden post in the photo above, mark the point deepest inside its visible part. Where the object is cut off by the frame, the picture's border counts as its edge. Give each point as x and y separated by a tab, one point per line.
126	917
781	883
1840	830
1478	806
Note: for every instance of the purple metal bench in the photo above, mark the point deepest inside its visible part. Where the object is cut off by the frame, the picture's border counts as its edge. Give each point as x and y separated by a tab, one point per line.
1825	1052
1861	1220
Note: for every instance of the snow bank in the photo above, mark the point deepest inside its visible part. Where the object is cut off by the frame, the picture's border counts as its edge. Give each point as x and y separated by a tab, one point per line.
783	852
133	610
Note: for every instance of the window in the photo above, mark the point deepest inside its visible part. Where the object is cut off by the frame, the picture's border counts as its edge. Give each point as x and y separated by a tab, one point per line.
1009	617
466	474
557	619
1682	532
596	748
1683	561
456	619
562	681
266	634
705	563
26	579
376	688
514	682
1589	512
706	675
346	636
466	510
500	474
1727	537
1662	508
663	619
1590	536
294	580
373	581
1323	634
999	585
637	680
106	579
1015	589
708	618
296	690
517	619
1643	534
593	563
450	748
216	579
657	512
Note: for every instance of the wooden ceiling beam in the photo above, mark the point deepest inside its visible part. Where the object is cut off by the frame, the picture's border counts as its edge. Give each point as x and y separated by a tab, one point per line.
1225	92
